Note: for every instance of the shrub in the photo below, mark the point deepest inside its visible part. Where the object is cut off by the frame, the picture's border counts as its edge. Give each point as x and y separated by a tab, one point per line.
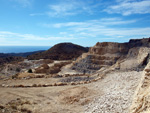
14	76
54	70
45	66
30	71
18	69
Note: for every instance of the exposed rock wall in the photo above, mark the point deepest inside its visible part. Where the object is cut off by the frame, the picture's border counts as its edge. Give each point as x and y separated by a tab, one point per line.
101	55
131	55
141	100
137	58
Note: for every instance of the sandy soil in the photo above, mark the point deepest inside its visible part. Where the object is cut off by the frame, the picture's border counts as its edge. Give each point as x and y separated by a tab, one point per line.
66	99
66	70
29	82
112	94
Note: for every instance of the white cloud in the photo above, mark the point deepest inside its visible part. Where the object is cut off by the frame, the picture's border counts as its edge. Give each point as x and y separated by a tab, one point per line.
36	14
24	3
128	7
104	27
64	9
69	24
101	22
16	36
72	7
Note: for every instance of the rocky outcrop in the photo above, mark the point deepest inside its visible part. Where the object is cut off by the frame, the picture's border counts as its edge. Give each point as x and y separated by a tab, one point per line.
131	55
141	100
101	55
136	59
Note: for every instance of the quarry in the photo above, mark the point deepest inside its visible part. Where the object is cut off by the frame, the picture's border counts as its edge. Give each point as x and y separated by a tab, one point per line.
109	77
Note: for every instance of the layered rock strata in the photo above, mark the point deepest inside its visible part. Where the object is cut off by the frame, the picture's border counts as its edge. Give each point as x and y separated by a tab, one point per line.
127	55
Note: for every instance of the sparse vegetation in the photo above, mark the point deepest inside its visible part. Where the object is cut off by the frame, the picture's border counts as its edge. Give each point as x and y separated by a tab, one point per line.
45	66
18	69
15	76
53	69
48	61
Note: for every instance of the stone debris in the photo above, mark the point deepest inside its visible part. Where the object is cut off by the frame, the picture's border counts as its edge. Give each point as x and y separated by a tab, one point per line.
117	95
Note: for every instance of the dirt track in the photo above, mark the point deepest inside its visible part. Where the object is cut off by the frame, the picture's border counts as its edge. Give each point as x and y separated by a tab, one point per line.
116	87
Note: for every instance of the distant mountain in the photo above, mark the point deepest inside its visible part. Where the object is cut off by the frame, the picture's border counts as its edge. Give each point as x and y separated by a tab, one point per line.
25	54
3	55
14	57
10	59
61	51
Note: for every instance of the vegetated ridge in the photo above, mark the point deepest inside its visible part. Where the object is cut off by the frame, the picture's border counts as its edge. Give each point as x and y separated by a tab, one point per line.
25	54
5	58
61	51
15	57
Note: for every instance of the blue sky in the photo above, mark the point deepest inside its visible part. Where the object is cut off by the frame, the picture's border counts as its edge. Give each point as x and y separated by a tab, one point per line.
84	22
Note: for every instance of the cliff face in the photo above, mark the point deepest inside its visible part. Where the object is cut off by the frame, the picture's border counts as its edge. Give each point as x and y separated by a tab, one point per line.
141	100
108	53
145	42
136	59
101	55
110	48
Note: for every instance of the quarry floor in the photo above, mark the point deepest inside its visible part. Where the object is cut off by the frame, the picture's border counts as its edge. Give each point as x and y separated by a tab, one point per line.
112	94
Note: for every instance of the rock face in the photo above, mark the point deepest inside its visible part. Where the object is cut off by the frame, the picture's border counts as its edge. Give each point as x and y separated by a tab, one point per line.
141	100
137	58
108	53
62	51
101	55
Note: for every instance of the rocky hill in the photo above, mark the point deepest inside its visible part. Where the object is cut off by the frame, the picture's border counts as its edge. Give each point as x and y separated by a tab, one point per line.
61	51
107	54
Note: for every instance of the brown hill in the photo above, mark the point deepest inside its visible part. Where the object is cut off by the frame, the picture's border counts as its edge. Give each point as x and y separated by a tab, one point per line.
61	51
10	59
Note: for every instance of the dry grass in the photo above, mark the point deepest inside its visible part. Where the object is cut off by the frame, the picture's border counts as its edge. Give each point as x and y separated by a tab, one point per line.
75	95
16	106
24	75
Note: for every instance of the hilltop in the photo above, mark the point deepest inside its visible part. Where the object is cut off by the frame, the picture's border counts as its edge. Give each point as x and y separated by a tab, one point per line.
61	51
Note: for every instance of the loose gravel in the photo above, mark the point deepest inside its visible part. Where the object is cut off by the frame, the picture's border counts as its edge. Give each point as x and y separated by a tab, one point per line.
115	92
